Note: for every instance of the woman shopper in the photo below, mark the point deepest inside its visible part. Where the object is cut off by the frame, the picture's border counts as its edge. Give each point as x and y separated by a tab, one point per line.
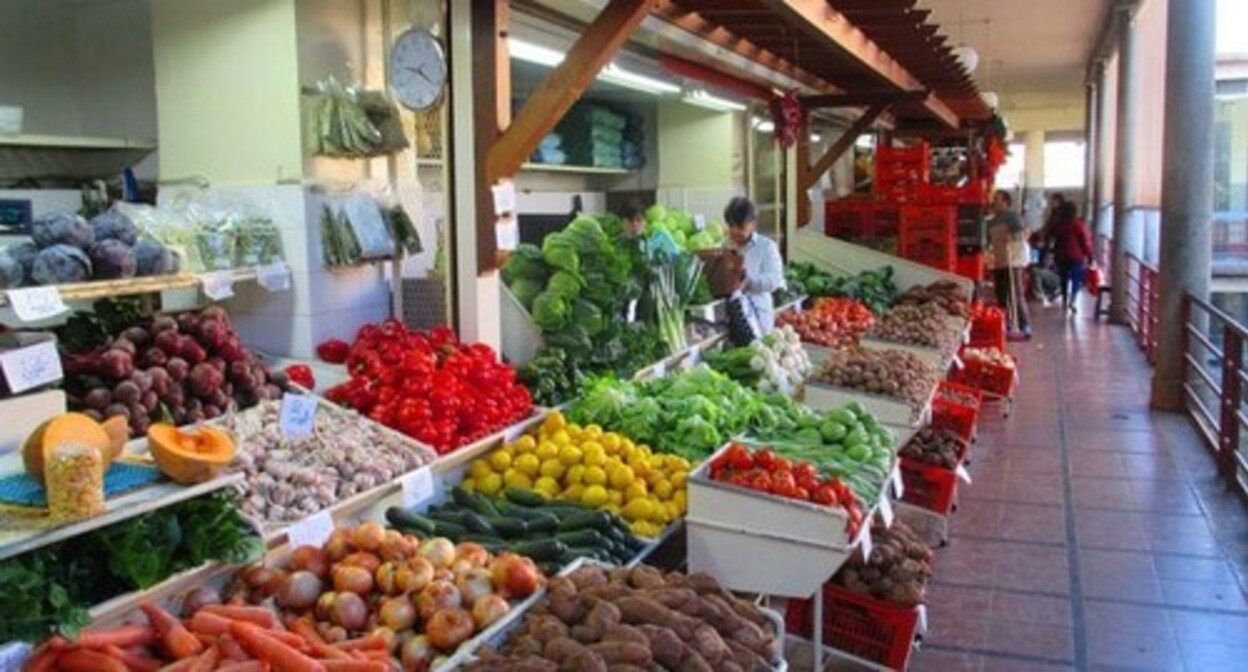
1007	241
1072	249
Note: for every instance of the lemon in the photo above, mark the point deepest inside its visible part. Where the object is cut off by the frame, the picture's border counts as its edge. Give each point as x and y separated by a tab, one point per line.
500	460
573	492
592	432
547	486
528	464
642	528
570	455
644	449
595	496
480	467
673	511
595	458
677	462
663	489
639	467
554	422
546	450
637	490
680	499
525	444
553	469
610	441
654	476
679	479
490	484
658	512
561	438
626	444
595	476
613	509
517	479
575	475
637	509
621	477
469	485
616	497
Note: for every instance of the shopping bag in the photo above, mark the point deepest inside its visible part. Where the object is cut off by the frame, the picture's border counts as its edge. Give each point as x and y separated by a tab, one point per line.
1092	280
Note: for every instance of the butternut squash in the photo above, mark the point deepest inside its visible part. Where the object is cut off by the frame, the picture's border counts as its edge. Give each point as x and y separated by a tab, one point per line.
192	456
75	428
118	430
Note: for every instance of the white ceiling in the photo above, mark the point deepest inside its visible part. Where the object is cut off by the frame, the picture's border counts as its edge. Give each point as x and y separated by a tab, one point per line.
1025	46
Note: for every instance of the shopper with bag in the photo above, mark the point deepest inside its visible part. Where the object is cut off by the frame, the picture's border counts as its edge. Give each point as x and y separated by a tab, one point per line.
763	267
1009	257
1072	249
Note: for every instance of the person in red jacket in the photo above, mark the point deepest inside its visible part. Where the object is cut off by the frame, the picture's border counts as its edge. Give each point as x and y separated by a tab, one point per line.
1072	250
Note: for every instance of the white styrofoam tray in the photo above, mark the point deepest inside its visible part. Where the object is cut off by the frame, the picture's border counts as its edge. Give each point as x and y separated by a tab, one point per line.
887	410
759	562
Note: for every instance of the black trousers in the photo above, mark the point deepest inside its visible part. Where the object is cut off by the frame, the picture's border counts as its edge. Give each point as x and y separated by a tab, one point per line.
1008	285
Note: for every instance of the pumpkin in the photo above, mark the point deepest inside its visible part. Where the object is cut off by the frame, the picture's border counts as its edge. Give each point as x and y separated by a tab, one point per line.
118	430
75	428
192	456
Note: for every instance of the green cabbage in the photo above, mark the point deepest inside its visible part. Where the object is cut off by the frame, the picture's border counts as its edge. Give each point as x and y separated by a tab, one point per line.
551	311
525	263
565	284
588	316
526	290
560	252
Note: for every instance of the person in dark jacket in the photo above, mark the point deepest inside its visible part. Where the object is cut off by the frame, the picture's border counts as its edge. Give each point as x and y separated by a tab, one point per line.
1072	250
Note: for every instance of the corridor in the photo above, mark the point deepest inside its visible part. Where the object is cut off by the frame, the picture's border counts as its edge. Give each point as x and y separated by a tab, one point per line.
1095	535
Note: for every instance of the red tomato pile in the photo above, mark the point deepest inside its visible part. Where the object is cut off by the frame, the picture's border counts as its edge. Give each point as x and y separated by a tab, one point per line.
833	323
430	386
765	471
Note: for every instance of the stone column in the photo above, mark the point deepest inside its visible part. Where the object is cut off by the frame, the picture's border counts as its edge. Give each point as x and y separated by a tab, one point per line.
1124	159
1033	179
1187	184
1091	135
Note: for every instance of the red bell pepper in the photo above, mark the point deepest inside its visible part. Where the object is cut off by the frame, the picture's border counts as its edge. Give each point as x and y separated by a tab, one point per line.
334	351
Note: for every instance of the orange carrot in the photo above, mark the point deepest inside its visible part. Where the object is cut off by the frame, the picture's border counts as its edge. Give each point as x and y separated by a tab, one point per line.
136	659
371	654
206	661
261	616
122	637
204	623
180	666
306	629
369	642
356	666
177	640
230	650
264	646
44	659
245	666
86	660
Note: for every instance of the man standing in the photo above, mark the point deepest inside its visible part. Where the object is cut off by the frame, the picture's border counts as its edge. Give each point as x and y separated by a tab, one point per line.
1007	241
764	269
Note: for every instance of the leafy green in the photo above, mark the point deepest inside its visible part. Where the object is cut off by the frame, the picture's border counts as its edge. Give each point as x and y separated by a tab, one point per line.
527	289
551	310
875	289
525	263
552	377
565	284
560	252
85	331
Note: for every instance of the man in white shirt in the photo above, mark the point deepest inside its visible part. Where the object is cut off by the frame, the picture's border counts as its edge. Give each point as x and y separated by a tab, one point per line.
764	269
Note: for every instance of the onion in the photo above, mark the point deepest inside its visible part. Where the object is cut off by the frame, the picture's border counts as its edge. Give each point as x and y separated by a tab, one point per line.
386	578
261	578
460	567
414	576
335	633
397	613
438	595
309	558
472	552
368	561
300	590
324	608
417	653
350	612
474	585
368	536
339	545
515	576
489	609
198	598
448	628
396	547
387	634
351	579
439	551
444	574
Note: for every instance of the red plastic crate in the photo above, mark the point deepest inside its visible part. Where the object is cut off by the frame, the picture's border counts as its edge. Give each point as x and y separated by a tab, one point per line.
874	630
848	219
939	254
971	266
988	328
954	416
928	487
992	379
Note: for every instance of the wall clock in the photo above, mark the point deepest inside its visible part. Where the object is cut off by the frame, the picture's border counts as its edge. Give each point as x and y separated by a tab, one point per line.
418	69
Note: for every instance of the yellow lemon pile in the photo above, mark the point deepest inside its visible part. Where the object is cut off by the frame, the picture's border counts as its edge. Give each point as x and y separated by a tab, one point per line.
601	470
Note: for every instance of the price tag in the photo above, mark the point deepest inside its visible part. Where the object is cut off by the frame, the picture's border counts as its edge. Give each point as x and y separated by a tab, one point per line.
32	366
886	511
660	369
35	304
899	486
417	487
311	531
218	285
14	654
507	234
692	359
699	222
632	311
274	277
923	618
298	417
504	198
864	540
963	474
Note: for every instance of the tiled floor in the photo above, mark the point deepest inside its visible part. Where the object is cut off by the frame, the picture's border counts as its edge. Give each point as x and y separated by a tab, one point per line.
1096	534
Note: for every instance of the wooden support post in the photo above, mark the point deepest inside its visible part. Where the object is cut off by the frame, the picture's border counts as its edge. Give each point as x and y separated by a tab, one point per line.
595	48
808	175
491	111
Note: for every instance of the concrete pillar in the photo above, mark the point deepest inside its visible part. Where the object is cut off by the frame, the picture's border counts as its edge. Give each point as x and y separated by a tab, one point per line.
1091	135
1187	184
1124	160
1033	179
1102	156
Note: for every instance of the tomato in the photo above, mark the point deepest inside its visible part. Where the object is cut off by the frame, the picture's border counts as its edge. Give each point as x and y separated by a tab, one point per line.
802	494
781	464
765	458
826	495
805	471
761	482
782	483
737	457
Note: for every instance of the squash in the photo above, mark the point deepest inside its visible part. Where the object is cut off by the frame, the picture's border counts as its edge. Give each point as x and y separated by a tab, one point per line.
65	428
192	456
118	430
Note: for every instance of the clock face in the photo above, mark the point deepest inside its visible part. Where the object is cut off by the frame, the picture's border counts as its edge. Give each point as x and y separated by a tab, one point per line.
417	69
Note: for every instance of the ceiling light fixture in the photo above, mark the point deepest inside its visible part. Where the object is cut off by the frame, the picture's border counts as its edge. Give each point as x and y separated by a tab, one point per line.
614	74
706	100
533	53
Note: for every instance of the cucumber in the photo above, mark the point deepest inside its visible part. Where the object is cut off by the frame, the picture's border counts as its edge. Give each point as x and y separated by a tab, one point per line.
596	520
457	517
585	537
523	497
452	531
491	544
544	522
545	549
479	524
410	521
510	528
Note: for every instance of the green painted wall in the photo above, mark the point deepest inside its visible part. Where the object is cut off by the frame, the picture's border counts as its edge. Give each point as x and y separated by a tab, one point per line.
696	146
227	90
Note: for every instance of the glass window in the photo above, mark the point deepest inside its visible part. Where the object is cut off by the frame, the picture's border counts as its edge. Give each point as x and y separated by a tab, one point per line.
1064	164
1010	175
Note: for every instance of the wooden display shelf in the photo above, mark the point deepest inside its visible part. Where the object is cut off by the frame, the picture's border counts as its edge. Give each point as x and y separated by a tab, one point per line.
101	289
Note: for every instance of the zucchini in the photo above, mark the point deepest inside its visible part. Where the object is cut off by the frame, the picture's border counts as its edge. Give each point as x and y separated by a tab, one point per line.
591	552
585	537
510	528
479	524
452	531
451	516
478	504
544	549
597	520
543	522
523	497
491	544
410	521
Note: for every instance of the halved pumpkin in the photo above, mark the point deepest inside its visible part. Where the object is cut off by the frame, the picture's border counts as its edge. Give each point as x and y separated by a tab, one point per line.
66	428
118	430
191	456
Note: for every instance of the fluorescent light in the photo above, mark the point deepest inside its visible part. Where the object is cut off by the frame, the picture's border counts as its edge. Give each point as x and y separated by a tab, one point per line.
765	126
631	80
704	99
533	53
816	138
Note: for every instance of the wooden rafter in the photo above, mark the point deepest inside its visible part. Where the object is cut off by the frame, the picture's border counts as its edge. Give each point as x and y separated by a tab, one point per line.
863	98
596	46
843	143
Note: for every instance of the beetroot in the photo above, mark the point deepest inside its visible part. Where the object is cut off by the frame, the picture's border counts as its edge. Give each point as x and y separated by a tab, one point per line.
164	323
142	379
204	380
217	314
136	335
169	342
125	345
191	350
217	363
178	369
188	323
160	380
98	398
126	392
213	334
150	401
94	414
218	398
211	411
116	364
117	409
140	424
233	351
153	357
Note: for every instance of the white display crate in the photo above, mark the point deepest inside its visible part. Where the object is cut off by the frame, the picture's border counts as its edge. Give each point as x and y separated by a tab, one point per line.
759	562
887	410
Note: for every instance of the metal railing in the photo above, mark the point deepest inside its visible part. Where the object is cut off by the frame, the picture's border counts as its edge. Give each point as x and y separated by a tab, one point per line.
1214	384
1143	295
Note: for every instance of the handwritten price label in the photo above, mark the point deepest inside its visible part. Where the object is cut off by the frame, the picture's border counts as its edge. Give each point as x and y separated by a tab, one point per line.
864	540
886	511
218	285
311	531
36	304
899	486
660	369
417	487
274	277
298	415
30	367
963	474
504	198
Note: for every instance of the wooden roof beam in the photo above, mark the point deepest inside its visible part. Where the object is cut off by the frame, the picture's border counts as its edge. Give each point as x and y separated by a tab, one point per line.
865	98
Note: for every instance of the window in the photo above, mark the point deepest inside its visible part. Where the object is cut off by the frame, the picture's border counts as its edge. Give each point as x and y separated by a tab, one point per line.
1010	176
1064	164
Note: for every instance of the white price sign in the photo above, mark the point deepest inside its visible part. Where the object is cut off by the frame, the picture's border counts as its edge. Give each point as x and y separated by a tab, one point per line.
963	474
417	487
507	234
35	304
899	486
504	198
32	366
218	285
660	369
699	222
886	511
311	531
864	540
274	277
298	417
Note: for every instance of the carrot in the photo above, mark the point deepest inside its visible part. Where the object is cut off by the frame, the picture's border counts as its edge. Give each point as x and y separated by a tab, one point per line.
261	616
180	666
306	629
177	640
206	661
204	623
87	660
356	666
371	654
123	637
44	659
230	650
369	642
245	666
264	646
136	659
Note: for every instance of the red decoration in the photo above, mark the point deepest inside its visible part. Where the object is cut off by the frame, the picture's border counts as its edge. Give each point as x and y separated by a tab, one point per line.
789	118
